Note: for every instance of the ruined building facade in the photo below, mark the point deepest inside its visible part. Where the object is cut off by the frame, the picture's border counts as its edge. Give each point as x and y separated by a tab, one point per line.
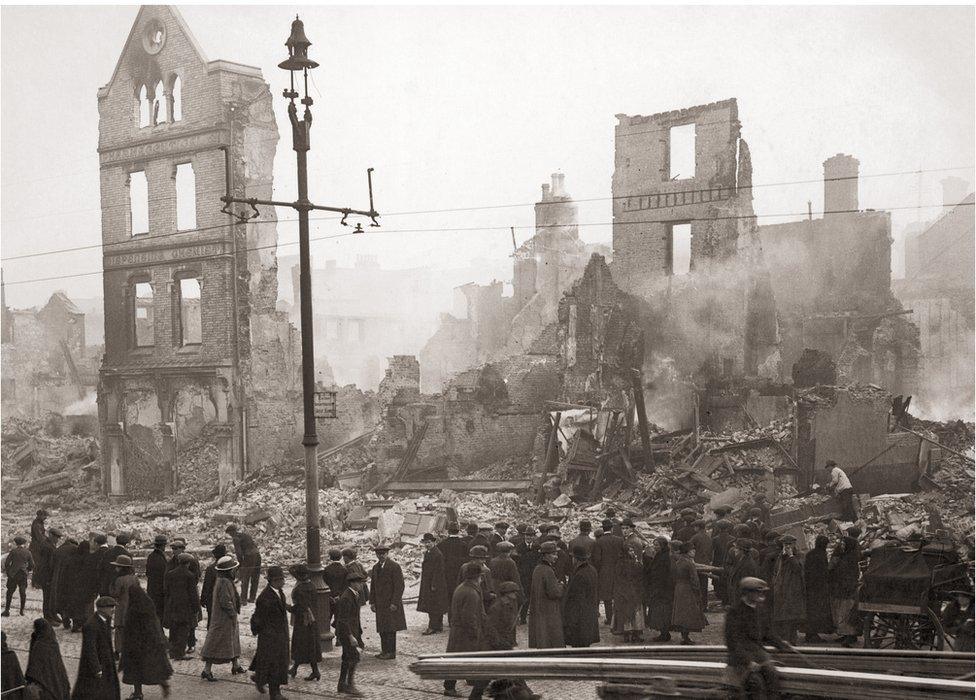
193	344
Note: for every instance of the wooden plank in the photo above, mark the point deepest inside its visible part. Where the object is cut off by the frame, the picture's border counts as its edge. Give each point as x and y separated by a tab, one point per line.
458	485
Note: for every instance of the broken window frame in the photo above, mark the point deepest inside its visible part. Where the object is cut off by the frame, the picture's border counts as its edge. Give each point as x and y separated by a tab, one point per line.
133	312
143	106
174	111
131	200
670	246
180	325
191	195
688	128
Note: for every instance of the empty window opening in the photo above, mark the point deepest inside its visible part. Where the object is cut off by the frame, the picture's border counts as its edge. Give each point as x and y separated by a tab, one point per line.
158	104
142	315
680	249
191	319
138	203
186	198
176	100
145	108
681	152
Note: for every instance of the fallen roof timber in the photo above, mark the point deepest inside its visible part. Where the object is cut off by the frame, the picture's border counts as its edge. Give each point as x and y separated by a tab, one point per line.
935	664
459	485
691	674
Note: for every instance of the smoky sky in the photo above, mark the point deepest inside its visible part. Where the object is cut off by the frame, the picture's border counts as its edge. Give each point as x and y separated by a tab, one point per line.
470	109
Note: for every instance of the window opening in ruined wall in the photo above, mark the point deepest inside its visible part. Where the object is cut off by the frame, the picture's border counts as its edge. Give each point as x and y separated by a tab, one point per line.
176	99
681	152
145	108
191	319
679	249
142	315
138	203
186	198
158	104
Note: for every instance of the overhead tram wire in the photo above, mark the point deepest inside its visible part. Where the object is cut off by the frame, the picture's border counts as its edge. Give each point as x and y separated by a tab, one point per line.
485	207
498	228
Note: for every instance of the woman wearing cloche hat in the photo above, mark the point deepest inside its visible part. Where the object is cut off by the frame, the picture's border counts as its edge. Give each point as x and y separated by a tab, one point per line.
223	644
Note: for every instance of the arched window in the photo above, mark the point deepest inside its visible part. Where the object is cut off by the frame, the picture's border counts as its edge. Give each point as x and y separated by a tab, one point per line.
158	104
145	109
176	99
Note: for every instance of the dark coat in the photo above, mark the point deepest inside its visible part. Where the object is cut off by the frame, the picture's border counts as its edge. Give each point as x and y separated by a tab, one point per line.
270	623
500	623
60	579
155	575
687	611
545	608
207	589
109	573
745	637
335	574
843	574
487	585
182	602
505	569
45	666
361	587
819	618
348	628
606	553
144	647
628	596
82	582
19	560
97	657
581	607
467	619
37	533
433	597
245	549
584	541
44	564
528	559
386	590
455	554
104	571
702	542
12	676
659	588
789	599
306	648
193	566
741	563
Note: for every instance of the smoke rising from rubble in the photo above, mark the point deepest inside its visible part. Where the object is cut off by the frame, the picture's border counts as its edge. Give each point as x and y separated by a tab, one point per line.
87	406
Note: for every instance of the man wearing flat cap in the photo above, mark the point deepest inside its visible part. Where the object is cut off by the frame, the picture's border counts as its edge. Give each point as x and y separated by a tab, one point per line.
479	555
683	529
605	555
468	619
181	608
17	566
750	668
433	597
504	569
789	594
270	623
581	604
503	616
386	600
349	632
156	568
545	601
721	543
628	593
97	673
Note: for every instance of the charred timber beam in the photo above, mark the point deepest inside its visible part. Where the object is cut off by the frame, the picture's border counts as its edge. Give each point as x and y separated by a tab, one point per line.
481	485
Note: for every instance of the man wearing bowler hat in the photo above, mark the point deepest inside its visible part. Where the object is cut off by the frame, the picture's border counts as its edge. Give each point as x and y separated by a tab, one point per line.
270	623
98	675
156	567
581	603
433	597
386	600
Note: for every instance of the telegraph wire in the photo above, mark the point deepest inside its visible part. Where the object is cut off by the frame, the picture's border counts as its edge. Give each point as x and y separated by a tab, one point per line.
507	228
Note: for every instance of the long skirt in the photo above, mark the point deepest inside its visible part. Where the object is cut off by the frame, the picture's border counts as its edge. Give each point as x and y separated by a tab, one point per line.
841	610
305	645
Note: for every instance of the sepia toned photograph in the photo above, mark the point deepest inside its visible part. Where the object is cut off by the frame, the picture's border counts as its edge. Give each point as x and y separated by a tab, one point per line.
479	351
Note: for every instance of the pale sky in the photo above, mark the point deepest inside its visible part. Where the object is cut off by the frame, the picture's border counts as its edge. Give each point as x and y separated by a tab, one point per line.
474	107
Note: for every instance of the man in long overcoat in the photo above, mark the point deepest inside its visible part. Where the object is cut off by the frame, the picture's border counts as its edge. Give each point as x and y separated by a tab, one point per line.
584	538
659	588
604	557
789	599
44	573
386	600
119	591
38	537
114	552
581	603
156	568
545	602
528	557
334	573
721	541
702	542
628	598
687	615
503	617
61	583
181	607
467	618
143	647
455	553
503	568
819	620
433	597
270	623
98	677
479	555
104	571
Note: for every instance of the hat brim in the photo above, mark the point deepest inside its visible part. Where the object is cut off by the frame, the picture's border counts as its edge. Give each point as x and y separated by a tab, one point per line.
227	568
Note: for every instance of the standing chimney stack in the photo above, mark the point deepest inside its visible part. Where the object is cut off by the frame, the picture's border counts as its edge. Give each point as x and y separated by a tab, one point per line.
840	184
558	185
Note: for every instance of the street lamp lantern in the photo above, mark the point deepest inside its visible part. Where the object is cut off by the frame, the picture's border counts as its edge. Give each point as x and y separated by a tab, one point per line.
298	45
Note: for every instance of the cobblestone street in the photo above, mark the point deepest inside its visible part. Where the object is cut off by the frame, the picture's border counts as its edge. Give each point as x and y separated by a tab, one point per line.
390	680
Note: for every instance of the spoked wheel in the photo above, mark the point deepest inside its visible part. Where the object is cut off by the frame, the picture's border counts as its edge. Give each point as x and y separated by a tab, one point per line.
894	631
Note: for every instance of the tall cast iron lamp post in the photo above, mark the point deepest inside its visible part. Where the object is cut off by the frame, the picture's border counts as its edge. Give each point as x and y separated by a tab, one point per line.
298	61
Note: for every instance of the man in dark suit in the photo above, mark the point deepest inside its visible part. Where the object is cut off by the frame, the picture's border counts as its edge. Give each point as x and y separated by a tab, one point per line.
98	677
17	566
349	633
156	573
334	573
250	559
749	664
114	552
270	623
455	554
193	565
386	600
44	573
527	552
182	606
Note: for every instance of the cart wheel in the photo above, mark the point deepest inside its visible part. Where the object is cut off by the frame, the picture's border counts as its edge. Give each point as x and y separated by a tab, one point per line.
894	631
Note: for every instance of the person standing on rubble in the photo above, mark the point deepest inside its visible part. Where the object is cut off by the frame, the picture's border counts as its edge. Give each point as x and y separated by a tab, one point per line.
62	584
305	645
607	551
156	568
842	581
836	483
433	597
250	559
702	542
38	536
349	632
468	620
687	616
628	598
584	538
270	624
789	600
386	600
721	542
659	588
17	567
528	559
581	602
181	609
44	574
223	642
545	602
455	553
749	666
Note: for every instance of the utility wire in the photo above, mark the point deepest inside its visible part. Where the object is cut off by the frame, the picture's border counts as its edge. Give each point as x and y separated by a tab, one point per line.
506	228
488	207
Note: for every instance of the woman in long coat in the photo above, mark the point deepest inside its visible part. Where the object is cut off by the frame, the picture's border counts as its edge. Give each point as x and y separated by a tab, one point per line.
223	643
581	603
305	645
789	601
545	602
659	588
144	658
628	596
45	666
80	579
270	623
818	620
687	616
